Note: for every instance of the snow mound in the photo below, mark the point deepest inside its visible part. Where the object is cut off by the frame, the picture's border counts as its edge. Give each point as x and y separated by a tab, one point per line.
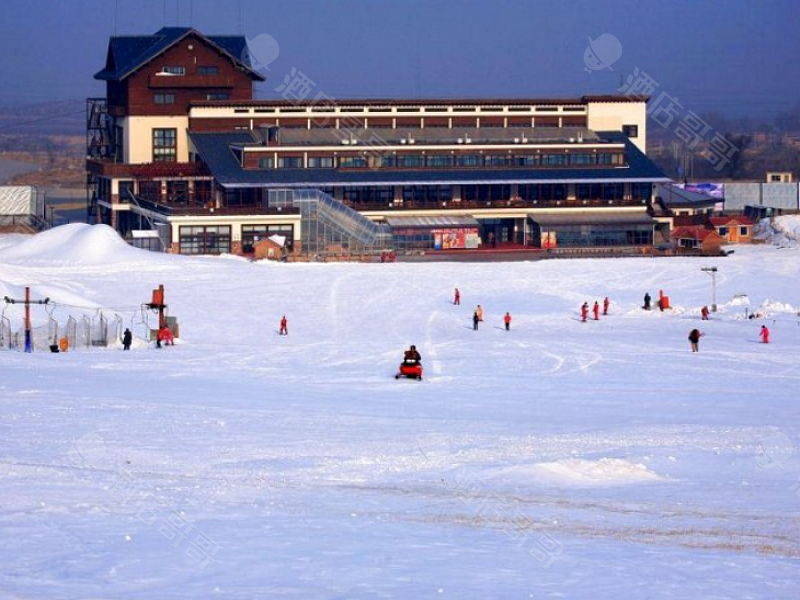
783	231
76	243
581	472
772	307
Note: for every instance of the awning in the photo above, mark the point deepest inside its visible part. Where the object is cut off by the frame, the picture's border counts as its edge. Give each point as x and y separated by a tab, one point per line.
594	218
433	221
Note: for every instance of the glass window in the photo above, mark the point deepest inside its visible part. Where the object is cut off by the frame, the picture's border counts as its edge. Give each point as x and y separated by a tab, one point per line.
320	162
207	70
631	131
352	162
290	162
217	96
165	145
502	160
723	231
173	70
582	160
744	231
410	160
469	160
440	160
265	163
164	98
205	240
641	191
554	160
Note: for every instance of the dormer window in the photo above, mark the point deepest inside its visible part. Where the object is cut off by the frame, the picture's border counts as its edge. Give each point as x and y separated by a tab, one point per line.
172	70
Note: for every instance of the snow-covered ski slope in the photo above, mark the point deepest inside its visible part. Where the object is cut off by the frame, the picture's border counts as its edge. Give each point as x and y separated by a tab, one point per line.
558	460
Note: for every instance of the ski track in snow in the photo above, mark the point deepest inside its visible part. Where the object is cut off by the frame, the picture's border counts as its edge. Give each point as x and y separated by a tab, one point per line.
321	476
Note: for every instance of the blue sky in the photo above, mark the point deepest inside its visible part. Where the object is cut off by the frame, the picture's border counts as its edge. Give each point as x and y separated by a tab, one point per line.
735	56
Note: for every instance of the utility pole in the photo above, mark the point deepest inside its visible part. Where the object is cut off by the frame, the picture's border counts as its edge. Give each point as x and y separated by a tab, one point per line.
713	272
27	301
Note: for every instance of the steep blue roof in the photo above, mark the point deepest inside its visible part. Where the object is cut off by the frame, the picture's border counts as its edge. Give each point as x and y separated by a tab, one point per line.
128	53
215	150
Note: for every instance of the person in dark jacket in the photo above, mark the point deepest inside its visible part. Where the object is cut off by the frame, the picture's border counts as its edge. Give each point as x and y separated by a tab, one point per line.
694	339
127	339
412	356
646	301
475	320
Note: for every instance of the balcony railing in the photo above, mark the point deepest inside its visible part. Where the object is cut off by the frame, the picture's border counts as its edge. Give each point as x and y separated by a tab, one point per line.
489	204
194	209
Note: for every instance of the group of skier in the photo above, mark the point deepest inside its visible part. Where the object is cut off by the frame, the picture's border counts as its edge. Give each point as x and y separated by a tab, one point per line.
477	315
595	309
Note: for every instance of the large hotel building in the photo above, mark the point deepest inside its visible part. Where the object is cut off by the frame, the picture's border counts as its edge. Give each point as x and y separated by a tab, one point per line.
180	155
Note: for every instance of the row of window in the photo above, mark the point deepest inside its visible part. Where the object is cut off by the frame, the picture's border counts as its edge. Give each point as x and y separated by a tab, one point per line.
444	161
201	70
216	239
169	97
545	192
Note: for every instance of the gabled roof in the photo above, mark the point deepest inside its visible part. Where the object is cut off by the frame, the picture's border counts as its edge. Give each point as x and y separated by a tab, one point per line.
127	54
723	221
692	232
215	149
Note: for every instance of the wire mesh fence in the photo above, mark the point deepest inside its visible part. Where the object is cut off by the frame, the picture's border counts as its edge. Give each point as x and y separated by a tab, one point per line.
83	332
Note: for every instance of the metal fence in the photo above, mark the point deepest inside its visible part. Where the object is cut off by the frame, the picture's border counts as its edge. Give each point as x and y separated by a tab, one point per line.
84	332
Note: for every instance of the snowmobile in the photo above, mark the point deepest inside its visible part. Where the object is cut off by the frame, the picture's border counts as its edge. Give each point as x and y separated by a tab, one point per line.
412	370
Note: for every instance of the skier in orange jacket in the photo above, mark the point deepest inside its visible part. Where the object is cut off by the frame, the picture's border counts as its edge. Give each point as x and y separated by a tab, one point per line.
507	321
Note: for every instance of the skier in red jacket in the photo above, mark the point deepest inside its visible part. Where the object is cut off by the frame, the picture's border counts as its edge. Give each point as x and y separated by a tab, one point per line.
507	321
457	297
606	304
596	311
764	334
284	326
704	313
584	311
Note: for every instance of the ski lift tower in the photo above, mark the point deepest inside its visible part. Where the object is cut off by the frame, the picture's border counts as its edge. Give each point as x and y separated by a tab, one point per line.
158	304
27	301
713	272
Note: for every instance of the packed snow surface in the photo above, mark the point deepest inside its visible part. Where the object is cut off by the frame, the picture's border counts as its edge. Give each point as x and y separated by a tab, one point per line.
559	459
